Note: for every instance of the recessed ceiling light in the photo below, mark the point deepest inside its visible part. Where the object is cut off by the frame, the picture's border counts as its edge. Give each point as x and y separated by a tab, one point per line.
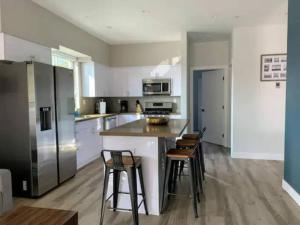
145	11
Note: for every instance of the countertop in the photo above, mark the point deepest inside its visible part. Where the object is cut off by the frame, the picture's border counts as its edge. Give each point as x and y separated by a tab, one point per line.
96	116
92	117
140	128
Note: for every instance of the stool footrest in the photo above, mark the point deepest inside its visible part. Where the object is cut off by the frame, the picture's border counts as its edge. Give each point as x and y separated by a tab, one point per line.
121	192
123	209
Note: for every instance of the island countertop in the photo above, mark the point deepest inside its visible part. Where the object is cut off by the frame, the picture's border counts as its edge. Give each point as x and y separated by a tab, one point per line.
174	128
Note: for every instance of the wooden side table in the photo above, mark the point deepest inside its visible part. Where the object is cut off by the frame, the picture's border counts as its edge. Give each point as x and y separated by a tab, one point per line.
25	215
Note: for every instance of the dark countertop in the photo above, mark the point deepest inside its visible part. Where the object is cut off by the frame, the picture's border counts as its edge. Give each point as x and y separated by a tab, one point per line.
140	128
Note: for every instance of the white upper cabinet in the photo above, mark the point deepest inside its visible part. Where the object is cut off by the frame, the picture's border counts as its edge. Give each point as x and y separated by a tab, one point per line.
16	49
96	80
176	80
88	79
119	83
103	81
102	77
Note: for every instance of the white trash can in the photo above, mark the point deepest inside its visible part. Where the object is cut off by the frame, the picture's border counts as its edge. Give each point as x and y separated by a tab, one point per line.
6	200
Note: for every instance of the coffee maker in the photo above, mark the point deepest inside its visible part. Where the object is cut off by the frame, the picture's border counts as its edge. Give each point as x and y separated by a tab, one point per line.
124	106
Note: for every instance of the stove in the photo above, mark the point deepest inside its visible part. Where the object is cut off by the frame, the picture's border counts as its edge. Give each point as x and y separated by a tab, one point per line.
158	108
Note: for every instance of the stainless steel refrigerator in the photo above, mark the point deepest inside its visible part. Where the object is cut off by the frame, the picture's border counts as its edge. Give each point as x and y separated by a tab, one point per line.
37	127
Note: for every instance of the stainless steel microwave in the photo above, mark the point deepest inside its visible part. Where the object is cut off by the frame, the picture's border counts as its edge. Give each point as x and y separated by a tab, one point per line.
157	87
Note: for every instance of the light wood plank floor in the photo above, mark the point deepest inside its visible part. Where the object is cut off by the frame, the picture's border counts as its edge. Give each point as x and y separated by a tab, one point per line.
237	192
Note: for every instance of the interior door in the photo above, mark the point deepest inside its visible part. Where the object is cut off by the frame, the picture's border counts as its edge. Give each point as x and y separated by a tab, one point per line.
65	106
212	99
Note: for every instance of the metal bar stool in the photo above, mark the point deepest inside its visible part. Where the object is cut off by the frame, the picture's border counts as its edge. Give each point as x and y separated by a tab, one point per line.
189	156
198	137
188	144
123	163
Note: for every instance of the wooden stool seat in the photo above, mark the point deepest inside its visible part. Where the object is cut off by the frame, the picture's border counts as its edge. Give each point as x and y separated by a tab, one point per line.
181	153
181	143
127	161
191	137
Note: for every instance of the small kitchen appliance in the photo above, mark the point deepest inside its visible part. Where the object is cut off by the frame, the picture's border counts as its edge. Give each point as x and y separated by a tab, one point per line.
102	107
124	106
156	87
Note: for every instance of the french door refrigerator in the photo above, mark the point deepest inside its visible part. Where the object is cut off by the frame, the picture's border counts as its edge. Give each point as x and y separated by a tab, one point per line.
37	131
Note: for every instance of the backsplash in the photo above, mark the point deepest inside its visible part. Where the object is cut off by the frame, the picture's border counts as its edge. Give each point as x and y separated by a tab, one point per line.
113	105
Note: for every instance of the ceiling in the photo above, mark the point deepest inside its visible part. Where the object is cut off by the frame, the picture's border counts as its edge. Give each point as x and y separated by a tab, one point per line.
138	21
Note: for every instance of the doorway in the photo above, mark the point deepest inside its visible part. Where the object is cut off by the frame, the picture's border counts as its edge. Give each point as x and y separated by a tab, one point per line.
209	105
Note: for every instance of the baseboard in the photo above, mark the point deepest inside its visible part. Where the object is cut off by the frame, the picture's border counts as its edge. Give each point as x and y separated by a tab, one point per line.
291	191
87	162
259	156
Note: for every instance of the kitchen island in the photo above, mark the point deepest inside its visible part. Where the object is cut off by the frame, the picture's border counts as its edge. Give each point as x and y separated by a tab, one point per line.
150	142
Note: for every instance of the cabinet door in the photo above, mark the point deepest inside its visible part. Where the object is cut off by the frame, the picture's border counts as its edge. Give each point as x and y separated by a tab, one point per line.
175	116
176	80
118	83
88	79
89	142
123	119
102	76
135	84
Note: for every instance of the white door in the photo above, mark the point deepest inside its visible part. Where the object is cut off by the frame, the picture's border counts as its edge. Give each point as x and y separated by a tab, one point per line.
212	106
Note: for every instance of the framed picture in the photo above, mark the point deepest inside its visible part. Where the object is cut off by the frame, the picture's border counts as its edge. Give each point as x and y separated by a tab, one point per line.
273	67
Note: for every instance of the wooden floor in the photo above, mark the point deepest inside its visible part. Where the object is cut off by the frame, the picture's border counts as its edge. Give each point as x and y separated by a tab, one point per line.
237	192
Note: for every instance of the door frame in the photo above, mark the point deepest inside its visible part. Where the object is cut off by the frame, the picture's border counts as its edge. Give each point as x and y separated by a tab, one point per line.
227	99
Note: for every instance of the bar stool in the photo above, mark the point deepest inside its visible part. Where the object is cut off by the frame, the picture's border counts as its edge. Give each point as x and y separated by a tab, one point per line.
189	156
188	144
123	163
198	137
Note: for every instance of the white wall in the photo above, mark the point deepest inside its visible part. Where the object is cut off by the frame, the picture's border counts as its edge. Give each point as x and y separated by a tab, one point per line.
258	108
184	103
205	54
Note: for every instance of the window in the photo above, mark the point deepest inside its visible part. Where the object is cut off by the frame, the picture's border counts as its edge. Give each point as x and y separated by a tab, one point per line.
62	59
70	62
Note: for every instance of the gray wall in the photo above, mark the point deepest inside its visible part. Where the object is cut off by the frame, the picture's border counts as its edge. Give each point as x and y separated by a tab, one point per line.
29	21
146	54
211	53
292	135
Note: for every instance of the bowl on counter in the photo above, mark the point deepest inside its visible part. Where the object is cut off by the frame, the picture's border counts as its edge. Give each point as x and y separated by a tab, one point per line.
157	120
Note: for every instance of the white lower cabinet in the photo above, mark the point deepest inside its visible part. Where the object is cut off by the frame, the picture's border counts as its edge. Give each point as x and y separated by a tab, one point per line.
175	116
89	142
127	118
